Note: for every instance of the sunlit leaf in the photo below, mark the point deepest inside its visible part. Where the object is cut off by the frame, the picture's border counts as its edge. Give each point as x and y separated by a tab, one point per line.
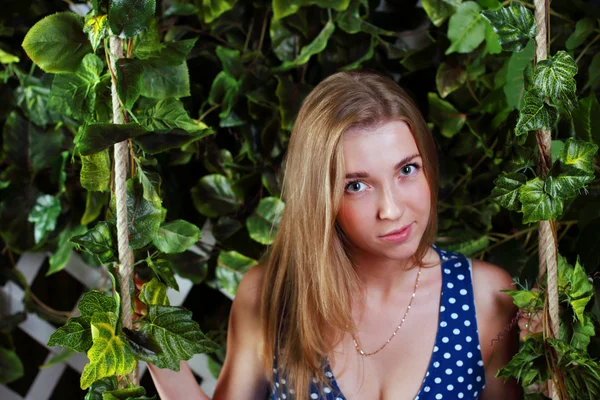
109	354
96	26
466	29
263	224
513	24
95	171
581	293
44	214
154	293
506	191
213	9
579	154
57	42
554	77
231	267
127	18
7	58
565	183
537	204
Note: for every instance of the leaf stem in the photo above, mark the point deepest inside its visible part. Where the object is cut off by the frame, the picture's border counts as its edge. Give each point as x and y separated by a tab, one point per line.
263	30
472	92
594	40
248	36
213	108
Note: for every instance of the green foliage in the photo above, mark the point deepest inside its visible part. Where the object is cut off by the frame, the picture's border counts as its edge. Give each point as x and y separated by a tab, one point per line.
466	29
513	24
262	225
231	268
154	293
12	367
127	18
43	215
176	236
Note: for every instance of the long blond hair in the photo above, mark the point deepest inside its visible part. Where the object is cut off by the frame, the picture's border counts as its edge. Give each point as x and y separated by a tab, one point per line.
309	280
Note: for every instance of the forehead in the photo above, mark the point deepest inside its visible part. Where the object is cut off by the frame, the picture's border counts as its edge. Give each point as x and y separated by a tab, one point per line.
379	146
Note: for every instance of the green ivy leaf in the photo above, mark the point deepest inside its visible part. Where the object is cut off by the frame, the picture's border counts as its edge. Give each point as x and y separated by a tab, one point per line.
555	77
445	116
57	42
535	114
513	24
176	236
96	171
157	142
581	293
11	367
506	190
586	119
466	29
212	10
215	195
527	300
26	146
528	365
7	58
96	26
231	61
163	269
224	91
75	335
582	333
33	96
514	89
172	53
147	44
283	8
101	386
129	80
583	29
75	94
58	261
537	204
351	21
492	41
95	301
565	183
44	214
315	47
283	41
164	81
100	240
263	224
166	115
93	138
109	355
154	293
127	18
449	78
579	154
143	217
176	333
151	182
94	203
439	10
231	267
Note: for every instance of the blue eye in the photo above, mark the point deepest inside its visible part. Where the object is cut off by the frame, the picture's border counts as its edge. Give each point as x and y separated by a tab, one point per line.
416	168
354	187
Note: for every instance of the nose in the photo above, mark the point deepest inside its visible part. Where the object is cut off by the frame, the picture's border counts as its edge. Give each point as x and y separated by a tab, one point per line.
390	204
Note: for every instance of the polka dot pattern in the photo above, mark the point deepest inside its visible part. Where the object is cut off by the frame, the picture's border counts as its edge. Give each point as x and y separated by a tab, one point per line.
456	367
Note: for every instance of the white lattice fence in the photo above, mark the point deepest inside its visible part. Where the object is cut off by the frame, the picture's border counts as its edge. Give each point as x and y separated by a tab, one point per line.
40	330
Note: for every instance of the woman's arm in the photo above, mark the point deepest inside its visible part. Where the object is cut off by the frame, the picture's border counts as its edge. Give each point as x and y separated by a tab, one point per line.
242	376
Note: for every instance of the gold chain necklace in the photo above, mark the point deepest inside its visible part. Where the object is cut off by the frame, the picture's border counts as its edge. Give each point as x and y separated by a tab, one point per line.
356	344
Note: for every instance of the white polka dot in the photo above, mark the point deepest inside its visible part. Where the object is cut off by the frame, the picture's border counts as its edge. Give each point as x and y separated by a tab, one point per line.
450	387
468	338
478	379
463	291
478	347
427	388
457	264
283	396
442	308
436	364
461	379
447	355
443	324
314	396
277	384
283	381
450	285
470	355
327	390
446	270
456	331
435	348
445	340
467	323
426	375
465	307
437	380
470	371
461	277
448	371
452	300
470	387
458	347
274	371
454	315
480	363
329	374
459	363
475	394
438	396
460	395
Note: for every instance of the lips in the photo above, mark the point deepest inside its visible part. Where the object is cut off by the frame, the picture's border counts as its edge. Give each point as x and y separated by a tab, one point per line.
397	231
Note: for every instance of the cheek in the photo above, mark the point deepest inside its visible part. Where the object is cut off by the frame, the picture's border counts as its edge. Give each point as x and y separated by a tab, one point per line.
352	216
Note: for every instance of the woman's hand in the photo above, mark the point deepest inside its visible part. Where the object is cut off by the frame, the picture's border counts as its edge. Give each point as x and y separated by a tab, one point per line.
530	323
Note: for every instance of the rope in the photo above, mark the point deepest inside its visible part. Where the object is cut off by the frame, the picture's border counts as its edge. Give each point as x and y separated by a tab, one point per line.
547	229
121	153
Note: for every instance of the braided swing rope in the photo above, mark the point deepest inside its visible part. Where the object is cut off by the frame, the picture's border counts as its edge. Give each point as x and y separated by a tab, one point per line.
121	152
547	246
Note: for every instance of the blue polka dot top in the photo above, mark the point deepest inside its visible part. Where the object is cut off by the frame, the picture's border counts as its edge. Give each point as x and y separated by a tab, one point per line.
456	366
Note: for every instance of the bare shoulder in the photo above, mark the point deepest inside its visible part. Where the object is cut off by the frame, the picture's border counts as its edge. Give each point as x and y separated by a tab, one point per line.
490	277
249	289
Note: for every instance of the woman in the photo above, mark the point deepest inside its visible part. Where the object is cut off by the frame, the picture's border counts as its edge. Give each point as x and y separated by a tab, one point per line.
354	301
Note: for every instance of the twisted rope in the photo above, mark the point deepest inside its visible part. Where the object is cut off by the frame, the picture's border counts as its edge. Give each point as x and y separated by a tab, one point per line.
547	229
121	152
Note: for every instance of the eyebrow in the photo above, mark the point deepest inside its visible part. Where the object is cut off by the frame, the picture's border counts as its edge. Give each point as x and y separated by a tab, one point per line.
364	174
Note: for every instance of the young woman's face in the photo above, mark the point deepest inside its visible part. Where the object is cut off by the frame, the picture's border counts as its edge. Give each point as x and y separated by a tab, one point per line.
385	191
